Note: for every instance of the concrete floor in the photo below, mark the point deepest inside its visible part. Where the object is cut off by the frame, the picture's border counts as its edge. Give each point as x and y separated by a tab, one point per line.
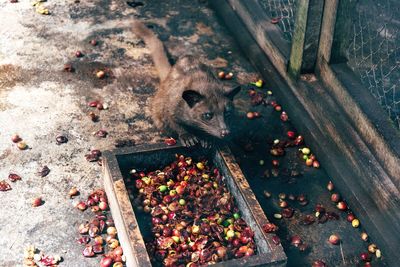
39	101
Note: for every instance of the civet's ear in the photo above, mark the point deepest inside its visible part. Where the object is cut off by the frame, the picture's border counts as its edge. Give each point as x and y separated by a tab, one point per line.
232	91
192	97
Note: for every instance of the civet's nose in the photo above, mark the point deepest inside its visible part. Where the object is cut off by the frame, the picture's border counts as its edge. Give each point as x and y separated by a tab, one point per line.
225	132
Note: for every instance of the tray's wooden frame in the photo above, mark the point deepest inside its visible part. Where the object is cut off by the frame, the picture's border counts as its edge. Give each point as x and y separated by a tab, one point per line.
129	233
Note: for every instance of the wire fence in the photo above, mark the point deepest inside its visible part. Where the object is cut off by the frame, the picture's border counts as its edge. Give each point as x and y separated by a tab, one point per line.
374	51
284	11
373	45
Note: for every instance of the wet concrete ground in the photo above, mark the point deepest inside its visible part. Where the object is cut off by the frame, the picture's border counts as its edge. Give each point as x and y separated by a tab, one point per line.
38	100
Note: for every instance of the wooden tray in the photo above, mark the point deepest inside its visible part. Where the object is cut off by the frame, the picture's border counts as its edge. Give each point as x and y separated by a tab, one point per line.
117	164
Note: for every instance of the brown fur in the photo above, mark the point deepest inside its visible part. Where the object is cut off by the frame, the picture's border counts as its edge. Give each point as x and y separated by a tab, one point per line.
187	91
156	48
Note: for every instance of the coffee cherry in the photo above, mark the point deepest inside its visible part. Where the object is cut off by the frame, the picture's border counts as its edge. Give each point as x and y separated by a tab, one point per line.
15	138
334	239
37	202
100	74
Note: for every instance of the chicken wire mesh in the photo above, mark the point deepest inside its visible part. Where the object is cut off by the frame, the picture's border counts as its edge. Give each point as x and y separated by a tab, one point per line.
373	51
284	11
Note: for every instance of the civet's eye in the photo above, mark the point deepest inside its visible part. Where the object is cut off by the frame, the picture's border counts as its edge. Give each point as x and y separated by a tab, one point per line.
208	116
228	110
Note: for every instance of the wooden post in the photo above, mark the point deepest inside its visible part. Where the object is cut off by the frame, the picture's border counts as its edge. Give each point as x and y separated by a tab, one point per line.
342	28
299	35
303	53
327	31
